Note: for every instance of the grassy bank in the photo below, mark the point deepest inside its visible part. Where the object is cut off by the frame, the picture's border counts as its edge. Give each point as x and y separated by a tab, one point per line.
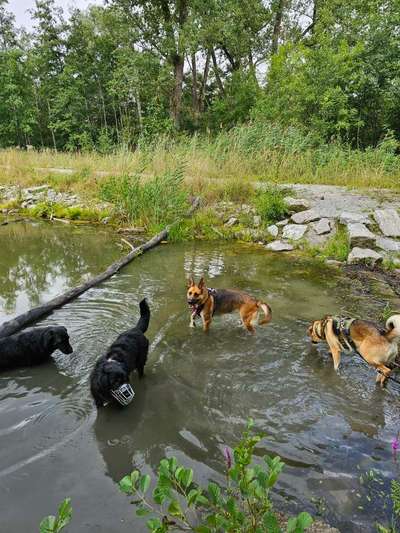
244	154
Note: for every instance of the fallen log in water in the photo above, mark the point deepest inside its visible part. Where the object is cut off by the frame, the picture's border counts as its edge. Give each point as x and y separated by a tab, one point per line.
12	326
19	322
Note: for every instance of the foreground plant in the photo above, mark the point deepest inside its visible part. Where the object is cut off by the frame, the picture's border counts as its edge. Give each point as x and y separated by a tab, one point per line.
177	503
55	524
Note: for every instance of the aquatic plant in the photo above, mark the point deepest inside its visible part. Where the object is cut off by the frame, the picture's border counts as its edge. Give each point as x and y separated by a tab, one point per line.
178	503
55	524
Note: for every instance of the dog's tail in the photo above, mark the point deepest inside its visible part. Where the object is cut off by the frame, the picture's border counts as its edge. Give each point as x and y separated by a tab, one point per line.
393	327
143	322
267	312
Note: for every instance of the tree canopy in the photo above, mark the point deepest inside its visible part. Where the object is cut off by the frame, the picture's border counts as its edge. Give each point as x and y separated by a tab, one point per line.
132	69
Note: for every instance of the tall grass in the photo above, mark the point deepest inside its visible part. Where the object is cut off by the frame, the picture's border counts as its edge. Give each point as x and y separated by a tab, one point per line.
153	202
257	151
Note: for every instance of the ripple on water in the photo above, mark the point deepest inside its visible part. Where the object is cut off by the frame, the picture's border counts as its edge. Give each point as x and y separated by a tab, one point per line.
201	389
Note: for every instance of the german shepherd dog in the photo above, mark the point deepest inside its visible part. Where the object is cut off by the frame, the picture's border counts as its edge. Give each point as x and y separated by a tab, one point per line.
377	346
206	302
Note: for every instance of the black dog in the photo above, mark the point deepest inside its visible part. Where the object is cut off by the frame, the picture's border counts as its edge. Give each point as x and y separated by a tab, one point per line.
109	379
33	346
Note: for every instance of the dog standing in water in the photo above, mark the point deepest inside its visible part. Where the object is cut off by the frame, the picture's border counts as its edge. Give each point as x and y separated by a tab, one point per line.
377	346
206	302
109	379
33	346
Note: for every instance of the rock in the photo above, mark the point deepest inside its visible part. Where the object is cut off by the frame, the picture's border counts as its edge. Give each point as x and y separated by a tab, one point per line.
296	204
360	235
305	216
333	262
389	245
105	220
273	230
231	222
364	255
348	217
246	208
279	246
283	222
388	221
34	190
294	232
318	240
322	226
256	221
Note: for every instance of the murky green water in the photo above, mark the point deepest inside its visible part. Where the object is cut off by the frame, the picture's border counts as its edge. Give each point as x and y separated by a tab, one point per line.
199	390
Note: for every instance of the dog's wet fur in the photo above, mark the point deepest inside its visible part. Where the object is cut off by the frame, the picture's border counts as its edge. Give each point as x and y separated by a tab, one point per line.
378	346
219	301
33	346
127	353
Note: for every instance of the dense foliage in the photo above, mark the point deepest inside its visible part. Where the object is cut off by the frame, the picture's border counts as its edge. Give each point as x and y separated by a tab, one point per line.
124	72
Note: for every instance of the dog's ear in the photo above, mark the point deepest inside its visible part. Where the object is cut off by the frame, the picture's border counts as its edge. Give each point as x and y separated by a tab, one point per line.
190	282
49	337
201	283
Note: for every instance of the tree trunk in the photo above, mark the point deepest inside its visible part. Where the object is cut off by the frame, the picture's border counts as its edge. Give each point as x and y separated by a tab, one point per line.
139	109
216	72
280	5
195	98
51	129
176	97
204	82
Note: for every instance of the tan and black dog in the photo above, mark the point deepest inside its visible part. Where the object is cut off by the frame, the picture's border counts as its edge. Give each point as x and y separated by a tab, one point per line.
377	346
206	302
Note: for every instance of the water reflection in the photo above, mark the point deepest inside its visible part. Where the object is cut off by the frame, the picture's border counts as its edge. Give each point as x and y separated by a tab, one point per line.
199	389
31	273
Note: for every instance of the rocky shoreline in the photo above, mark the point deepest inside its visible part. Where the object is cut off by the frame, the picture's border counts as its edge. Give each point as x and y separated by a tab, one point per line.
315	214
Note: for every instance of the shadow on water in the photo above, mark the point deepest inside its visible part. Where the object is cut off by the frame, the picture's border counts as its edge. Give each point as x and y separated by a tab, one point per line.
199	390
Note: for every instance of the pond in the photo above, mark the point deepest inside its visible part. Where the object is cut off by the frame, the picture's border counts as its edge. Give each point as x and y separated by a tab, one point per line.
199	389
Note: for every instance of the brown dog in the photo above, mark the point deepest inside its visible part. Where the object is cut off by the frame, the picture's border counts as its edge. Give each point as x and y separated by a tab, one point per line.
376	345
206	302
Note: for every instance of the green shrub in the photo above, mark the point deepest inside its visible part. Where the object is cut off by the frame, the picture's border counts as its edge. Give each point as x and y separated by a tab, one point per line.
152	203
337	247
178	503
270	204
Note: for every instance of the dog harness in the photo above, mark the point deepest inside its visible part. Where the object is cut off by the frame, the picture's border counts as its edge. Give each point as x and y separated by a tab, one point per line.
197	309
341	328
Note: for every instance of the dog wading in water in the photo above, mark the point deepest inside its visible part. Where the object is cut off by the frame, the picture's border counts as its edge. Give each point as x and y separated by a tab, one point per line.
377	346
109	380
206	302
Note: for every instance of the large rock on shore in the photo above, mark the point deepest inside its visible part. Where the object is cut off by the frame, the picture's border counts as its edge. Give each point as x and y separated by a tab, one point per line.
305	216
360	235
322	226
294	232
364	255
279	246
296	204
389	245
349	217
388	221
